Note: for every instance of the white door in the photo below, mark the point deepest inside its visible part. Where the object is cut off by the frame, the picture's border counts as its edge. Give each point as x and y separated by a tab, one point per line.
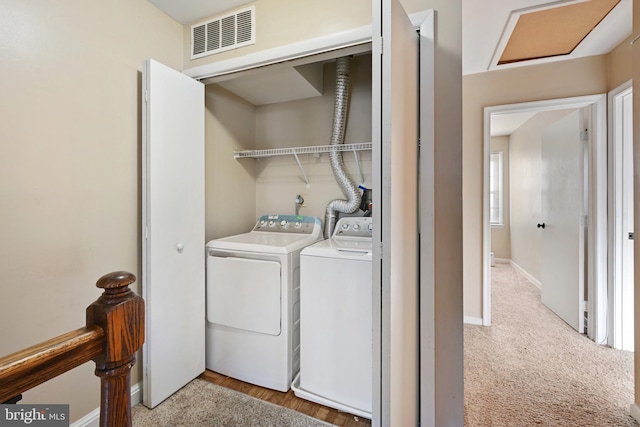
622	330
562	180
395	160
173	275
626	297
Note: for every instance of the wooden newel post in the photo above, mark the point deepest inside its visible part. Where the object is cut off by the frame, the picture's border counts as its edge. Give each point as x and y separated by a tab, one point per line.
120	313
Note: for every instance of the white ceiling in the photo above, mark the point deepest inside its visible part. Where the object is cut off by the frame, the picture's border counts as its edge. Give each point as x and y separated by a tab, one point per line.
190	11
507	123
485	26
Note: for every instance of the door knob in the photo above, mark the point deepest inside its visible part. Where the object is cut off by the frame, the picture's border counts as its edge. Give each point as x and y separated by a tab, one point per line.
180	247
541	225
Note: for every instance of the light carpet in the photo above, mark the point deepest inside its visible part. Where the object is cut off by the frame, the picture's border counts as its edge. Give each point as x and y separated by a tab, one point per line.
201	403
531	368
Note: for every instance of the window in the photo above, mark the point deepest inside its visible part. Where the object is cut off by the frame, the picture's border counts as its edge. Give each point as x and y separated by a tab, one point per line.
495	189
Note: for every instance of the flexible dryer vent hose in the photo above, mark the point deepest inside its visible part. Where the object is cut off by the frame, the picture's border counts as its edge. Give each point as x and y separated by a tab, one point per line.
346	183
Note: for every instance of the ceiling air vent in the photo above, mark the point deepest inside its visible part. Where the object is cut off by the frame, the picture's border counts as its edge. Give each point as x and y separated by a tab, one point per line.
224	32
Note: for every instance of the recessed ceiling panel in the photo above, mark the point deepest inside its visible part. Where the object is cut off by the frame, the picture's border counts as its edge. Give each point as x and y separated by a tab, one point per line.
553	32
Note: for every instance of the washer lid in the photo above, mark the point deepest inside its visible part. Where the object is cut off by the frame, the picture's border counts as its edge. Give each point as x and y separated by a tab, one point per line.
341	247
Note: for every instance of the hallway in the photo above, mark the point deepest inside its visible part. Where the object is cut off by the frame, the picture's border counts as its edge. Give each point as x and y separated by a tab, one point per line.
531	368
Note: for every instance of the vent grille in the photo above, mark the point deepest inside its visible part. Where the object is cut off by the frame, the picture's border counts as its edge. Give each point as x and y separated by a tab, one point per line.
224	32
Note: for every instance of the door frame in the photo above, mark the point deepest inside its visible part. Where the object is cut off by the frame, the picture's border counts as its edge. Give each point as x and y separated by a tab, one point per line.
616	234
325	47
596	256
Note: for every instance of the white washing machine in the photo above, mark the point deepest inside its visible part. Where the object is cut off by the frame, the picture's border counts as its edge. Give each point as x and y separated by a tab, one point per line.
253	300
336	338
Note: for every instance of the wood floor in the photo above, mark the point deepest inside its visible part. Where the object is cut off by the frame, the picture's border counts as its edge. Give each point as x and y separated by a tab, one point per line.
288	400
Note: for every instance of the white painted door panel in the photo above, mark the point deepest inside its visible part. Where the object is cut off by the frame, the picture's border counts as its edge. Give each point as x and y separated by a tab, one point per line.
562	258
395	91
173	231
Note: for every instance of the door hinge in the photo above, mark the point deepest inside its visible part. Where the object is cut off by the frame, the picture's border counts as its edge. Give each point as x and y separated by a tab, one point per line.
381	247
378	45
146	96
584	135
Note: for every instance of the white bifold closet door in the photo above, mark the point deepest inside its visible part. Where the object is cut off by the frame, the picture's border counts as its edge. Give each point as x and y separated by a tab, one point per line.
395	172
173	265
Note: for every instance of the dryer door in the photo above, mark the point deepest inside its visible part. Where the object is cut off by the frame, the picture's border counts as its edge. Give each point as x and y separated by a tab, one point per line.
244	293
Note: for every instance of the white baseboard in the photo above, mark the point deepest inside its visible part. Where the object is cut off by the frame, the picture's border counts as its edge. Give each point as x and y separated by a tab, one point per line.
527	275
92	419
471	320
634	410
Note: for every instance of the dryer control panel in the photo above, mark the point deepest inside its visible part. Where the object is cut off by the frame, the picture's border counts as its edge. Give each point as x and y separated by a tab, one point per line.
293	224
354	227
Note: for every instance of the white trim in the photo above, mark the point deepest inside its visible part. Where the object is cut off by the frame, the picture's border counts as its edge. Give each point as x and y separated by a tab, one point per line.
498	155
486	223
597	215
634	411
472	320
615	214
598	223
92	419
526	274
354	37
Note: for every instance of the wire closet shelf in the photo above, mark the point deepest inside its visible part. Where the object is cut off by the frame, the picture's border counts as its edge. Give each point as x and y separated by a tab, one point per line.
294	151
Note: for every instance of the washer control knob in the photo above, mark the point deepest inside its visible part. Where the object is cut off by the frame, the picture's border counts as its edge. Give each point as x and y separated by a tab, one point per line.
345	226
370	227
298	225
272	223
356	226
283	223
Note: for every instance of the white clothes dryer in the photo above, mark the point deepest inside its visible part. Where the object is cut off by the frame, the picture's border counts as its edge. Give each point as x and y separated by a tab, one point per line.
253	300
336	335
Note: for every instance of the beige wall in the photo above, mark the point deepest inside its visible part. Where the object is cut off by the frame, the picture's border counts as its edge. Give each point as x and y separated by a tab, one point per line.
619	64
584	76
501	235
230	185
70	165
282	22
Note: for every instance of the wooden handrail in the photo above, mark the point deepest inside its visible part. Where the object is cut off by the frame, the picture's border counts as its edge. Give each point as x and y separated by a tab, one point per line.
32	366
114	332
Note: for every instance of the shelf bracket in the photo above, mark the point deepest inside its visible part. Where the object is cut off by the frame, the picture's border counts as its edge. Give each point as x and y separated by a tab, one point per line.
355	154
301	169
